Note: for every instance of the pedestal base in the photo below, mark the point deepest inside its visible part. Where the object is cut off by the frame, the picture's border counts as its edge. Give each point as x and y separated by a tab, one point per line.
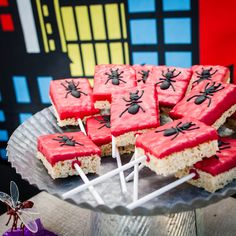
172	225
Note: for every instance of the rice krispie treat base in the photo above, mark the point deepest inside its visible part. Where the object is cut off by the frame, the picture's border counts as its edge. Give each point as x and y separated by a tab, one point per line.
63	169
209	182
179	160
59	151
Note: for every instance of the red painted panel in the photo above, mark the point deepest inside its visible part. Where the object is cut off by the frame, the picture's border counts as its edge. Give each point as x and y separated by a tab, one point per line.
6	22
4	3
217	32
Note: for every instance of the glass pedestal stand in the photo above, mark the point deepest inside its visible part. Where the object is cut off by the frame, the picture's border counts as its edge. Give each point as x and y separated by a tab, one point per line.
181	224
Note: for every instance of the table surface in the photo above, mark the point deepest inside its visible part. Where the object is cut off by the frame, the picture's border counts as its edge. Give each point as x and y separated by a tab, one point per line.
68	220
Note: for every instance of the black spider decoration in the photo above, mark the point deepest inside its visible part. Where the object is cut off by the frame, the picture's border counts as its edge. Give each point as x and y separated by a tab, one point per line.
204	75
208	91
66	141
133	103
223	145
105	122
73	89
145	74
115	77
167	81
179	128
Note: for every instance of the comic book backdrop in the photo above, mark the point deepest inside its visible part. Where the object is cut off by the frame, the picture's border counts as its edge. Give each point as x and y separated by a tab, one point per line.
46	40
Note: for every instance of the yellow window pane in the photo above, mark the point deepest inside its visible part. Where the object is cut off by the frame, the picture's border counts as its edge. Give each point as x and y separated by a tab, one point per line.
82	18
88	58
98	24
59	24
43	30
75	57
49	28
52	45
116	53
113	22
69	23
122	6
126	53
102	53
45	10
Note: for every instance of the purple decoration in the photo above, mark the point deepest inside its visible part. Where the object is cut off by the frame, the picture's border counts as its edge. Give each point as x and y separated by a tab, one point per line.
41	231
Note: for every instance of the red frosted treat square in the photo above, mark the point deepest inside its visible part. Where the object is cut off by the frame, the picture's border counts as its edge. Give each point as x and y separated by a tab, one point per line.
206	102
66	146
123	77
166	139
172	84
75	104
224	160
210	73
143	74
98	129
144	114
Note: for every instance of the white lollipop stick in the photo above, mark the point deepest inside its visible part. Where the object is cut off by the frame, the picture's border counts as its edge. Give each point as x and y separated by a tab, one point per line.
83	176
116	154
104	177
81	126
135	186
131	175
91	188
113	146
160	191
132	158
136	174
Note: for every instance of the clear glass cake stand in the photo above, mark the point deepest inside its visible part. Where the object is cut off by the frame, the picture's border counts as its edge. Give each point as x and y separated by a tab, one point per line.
172	212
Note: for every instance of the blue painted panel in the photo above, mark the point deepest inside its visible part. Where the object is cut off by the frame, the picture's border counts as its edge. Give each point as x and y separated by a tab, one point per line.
143	31
2	116
43	84
141	6
176	5
145	57
181	59
3	135
24	116
21	89
3	153
177	30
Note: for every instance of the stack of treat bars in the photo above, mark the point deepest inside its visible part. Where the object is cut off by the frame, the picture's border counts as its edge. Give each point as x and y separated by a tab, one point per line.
125	105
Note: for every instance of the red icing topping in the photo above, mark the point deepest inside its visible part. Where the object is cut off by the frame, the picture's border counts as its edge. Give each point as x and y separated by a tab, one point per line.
148	158
169	97
195	172
134	122
220	102
54	152
222	74
161	146
226	160
102	91
75	162
98	136
72	107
